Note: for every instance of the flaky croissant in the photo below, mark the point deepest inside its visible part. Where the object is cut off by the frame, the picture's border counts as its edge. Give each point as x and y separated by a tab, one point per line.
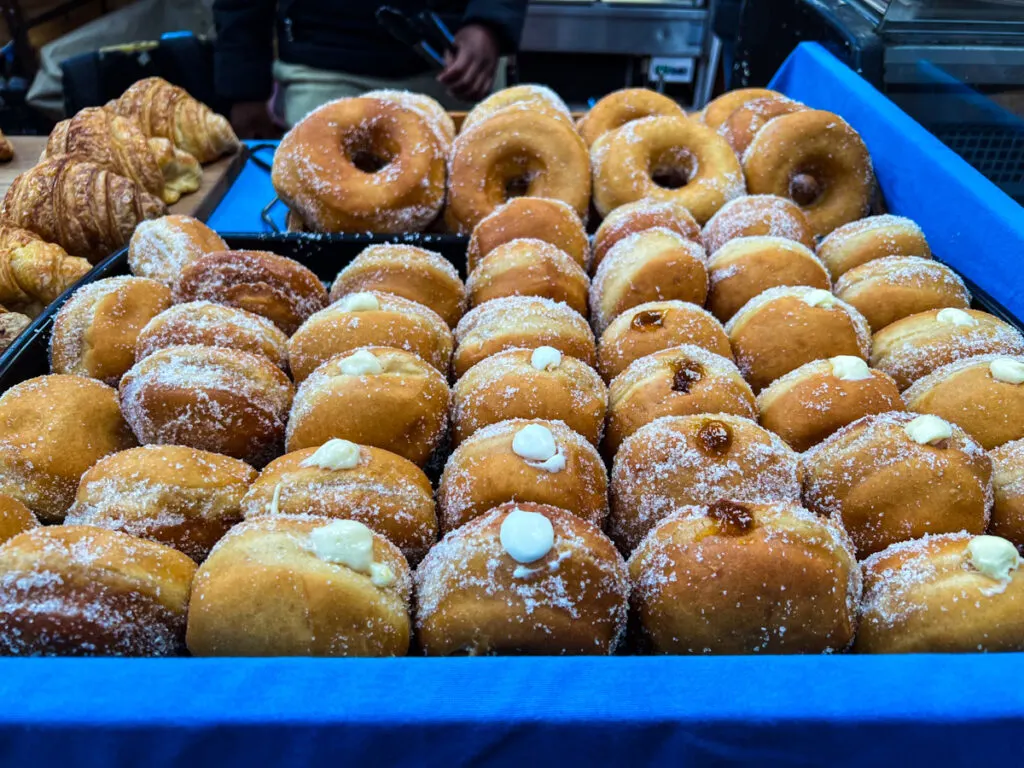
167	111
119	145
11	326
82	207
33	272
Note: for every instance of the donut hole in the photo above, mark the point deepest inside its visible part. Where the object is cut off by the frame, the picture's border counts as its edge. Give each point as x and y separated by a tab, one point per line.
518	186
673	168
804	189
368	149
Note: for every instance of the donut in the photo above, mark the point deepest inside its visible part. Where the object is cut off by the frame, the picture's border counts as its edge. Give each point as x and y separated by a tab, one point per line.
747	266
522	460
525	322
742	577
522	579
76	590
344	481
535	98
665	158
982	395
1008	492
431	111
955	593
538	218
718	110
782	328
916	345
209	398
406	271
170	494
529	267
362	165
742	125
637	217
676	461
875	237
300	585
654	326
279	289
539	383
517	152
15	518
213	325
653	265
817	160
376	396
369	318
897	476
757	216
52	429
95	331
161	248
624	106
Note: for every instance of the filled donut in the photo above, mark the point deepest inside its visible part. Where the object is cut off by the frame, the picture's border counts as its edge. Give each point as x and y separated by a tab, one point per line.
1008	492
874	237
15	518
537	218
640	216
624	106
757	216
529	267
161	248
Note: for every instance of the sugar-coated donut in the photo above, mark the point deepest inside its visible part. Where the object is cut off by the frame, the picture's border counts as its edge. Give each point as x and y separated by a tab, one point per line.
522	579
955	593
1008	492
161	248
654	326
370	318
540	218
301	585
817	160
743	124
52	429
407	271
624	106
678	381
676	461
982	395
77	590
718	110
529	267
280	289
757	216
527	322
653	265
874	237
522	460
213	325
747	266
437	116
919	344
528	96
897	476
537	383
642	215
741	577
210	398
170	494
379	396
15	518
665	158
782	328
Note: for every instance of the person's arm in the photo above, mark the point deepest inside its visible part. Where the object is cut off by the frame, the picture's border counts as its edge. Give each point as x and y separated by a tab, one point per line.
490	28
243	60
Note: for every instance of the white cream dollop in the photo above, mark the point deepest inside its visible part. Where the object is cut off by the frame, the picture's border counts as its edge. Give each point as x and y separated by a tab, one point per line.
927	429
350	543
526	536
546	358
361	363
273	507
534	442
849	368
1007	369
954	316
819	297
993	556
335	454
358	302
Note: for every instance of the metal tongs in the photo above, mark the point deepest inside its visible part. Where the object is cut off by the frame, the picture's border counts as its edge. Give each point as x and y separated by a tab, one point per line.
425	33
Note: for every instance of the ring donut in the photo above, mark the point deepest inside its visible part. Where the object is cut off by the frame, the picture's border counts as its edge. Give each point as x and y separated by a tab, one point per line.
718	110
743	124
536	98
624	106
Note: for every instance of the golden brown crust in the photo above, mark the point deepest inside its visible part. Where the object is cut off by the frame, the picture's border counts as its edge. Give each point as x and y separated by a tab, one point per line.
32	272
718	110
161	249
740	128
536	98
541	218
529	267
1008	490
11	326
636	217
6	149
874	237
623	106
15	518
757	216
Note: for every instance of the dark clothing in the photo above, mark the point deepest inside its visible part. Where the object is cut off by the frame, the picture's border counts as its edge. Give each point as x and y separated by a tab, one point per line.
342	36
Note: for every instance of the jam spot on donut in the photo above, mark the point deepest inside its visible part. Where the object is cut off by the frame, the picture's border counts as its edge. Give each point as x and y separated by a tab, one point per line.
804	189
685	373
648	320
731	518
714	439
673	168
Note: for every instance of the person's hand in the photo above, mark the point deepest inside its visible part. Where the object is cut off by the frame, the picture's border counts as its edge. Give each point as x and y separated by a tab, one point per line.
251	120
469	73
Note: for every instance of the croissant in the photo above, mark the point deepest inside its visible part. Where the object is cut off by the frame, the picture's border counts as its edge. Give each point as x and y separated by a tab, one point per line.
33	272
84	208
6	149
119	145
11	326
167	111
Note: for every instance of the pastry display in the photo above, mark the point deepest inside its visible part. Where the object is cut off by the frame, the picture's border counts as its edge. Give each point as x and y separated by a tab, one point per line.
874	237
757	216
15	518
718	110
743	124
898	476
529	267
437	116
160	249
624	106
742	577
526	97
1008	491
537	218
522	579
33	272
640	216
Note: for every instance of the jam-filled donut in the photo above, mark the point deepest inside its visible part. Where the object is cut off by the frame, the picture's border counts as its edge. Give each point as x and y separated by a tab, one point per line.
665	158
955	593
640	216
539	218
529	267
653	265
677	381
523	460
1008	492
406	271
783	328
437	116
522	579
810	403
743	124
624	106
741	577
362	165
676	461
654	326
161	248
539	383
718	110
342	480
378	396
15	518
874	237
757	216
897	476
817	160
747	266
529	96
919	344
